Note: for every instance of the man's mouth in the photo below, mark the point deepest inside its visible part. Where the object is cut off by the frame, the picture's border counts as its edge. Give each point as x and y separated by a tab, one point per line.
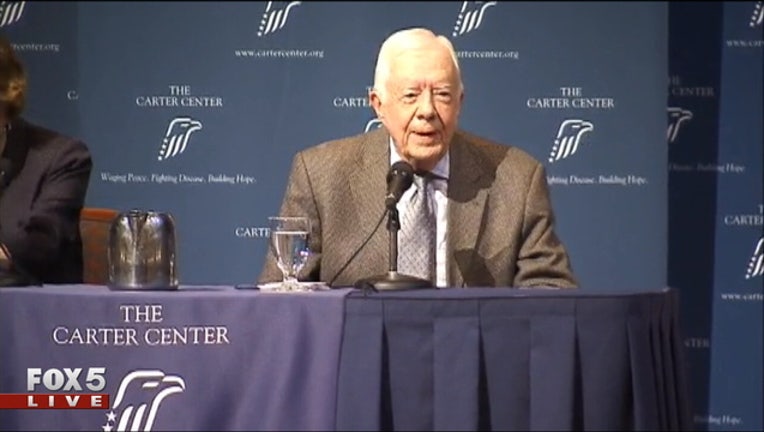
427	134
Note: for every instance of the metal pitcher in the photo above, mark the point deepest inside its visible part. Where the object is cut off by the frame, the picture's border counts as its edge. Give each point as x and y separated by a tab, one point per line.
141	253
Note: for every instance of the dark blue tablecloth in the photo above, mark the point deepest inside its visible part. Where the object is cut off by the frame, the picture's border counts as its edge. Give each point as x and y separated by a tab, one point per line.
508	359
464	359
249	360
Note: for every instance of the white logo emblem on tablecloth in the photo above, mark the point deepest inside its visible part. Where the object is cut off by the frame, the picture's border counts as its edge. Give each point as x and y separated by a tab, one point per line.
138	398
568	138
176	138
274	17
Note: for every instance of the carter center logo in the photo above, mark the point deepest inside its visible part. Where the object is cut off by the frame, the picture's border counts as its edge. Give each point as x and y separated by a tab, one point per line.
756	263
758	14
138	398
676	116
176	138
470	17
10	12
372	124
568	138
275	17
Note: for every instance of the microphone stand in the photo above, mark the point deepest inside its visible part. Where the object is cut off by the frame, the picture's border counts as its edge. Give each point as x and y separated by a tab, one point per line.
393	280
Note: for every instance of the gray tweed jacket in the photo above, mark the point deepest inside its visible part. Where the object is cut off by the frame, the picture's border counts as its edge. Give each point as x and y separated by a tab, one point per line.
500	218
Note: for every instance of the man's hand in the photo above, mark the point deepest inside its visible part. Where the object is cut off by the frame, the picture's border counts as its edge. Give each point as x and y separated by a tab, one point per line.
5	258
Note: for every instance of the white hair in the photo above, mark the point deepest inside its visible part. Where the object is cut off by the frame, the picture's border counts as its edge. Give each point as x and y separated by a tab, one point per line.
403	40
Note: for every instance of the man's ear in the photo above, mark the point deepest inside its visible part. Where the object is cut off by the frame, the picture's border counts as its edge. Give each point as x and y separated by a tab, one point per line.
376	103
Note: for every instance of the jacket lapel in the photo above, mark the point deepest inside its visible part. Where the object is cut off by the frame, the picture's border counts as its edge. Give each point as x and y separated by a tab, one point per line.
369	186
466	204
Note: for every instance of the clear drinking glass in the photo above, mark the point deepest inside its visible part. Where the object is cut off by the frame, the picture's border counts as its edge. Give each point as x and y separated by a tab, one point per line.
289	244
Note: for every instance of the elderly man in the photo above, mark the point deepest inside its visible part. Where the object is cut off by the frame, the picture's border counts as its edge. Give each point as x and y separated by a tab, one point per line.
488	219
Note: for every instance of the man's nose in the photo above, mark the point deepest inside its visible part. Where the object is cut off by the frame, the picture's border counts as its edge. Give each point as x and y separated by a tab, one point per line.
426	108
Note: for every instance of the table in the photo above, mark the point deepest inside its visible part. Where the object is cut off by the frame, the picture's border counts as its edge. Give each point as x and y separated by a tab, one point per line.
466	359
232	359
512	359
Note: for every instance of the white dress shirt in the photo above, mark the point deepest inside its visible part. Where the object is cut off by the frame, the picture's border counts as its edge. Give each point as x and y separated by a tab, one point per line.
439	201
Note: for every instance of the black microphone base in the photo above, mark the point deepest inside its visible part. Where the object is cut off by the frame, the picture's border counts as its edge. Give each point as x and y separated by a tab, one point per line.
393	281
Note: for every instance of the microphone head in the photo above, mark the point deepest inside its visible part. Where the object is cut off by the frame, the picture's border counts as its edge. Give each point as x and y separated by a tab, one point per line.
403	170
399	179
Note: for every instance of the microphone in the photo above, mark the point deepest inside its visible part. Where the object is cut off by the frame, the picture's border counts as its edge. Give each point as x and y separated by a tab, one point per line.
399	179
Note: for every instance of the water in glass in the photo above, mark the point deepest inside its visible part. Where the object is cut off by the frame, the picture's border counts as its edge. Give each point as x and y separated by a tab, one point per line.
289	243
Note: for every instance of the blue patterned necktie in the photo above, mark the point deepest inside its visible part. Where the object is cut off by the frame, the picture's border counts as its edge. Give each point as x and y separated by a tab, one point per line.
416	256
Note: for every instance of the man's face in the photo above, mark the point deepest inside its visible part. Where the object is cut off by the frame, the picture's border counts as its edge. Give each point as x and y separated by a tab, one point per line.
420	104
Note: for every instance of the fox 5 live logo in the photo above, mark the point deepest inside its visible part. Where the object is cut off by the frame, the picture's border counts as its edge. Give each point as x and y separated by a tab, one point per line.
66	388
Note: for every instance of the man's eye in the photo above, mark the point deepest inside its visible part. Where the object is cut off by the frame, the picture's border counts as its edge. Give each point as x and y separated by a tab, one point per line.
443	96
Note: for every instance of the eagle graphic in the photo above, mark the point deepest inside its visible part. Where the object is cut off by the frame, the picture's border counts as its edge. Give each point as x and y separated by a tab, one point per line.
470	16
274	17
756	18
138	399
373	124
568	138
756	263
676	116
10	12
176	139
